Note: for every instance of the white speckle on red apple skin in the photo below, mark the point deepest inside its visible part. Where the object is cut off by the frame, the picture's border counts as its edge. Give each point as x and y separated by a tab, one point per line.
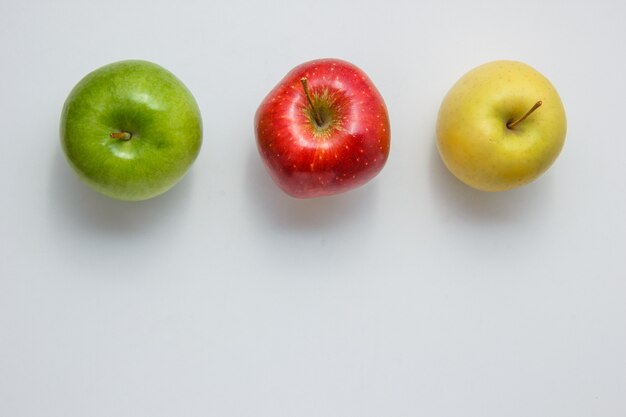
305	163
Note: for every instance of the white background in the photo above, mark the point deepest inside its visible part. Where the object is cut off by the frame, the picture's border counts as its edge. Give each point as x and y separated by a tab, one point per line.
412	296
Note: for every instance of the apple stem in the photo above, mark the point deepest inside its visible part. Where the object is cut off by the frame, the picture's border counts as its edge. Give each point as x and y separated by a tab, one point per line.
318	118
121	135
511	125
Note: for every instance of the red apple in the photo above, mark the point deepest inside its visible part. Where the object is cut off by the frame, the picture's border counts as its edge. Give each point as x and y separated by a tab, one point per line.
323	129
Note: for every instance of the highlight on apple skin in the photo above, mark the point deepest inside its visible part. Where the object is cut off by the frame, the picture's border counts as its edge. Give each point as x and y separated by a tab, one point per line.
500	126
131	130
323	130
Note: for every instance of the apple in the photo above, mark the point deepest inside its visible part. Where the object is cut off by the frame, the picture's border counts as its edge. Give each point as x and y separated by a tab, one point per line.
500	126
323	130
131	130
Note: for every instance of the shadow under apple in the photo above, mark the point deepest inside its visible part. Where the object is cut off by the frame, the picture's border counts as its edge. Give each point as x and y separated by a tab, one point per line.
75	206
277	209
464	202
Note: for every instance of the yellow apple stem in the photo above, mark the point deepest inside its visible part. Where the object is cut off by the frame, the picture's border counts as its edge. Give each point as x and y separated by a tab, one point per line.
121	135
512	125
318	118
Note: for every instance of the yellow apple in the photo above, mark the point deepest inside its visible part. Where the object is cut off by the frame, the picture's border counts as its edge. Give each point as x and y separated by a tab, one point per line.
500	126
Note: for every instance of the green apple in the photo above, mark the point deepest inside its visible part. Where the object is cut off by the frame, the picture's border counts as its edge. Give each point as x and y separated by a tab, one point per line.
500	126
131	130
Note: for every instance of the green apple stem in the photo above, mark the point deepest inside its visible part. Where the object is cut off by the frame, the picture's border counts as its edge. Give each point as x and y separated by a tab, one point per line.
121	135
512	125
318	118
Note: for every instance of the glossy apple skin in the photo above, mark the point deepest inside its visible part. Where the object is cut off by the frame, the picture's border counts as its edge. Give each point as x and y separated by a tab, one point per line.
307	161
472	134
149	102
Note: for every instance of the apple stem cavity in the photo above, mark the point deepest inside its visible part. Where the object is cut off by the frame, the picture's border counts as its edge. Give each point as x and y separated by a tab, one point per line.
511	125
318	118
121	135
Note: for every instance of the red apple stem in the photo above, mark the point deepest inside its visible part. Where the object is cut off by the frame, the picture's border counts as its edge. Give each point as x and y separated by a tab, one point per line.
121	135
512	125
318	118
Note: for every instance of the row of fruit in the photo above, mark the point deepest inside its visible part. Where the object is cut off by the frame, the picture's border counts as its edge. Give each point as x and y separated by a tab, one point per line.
131	129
